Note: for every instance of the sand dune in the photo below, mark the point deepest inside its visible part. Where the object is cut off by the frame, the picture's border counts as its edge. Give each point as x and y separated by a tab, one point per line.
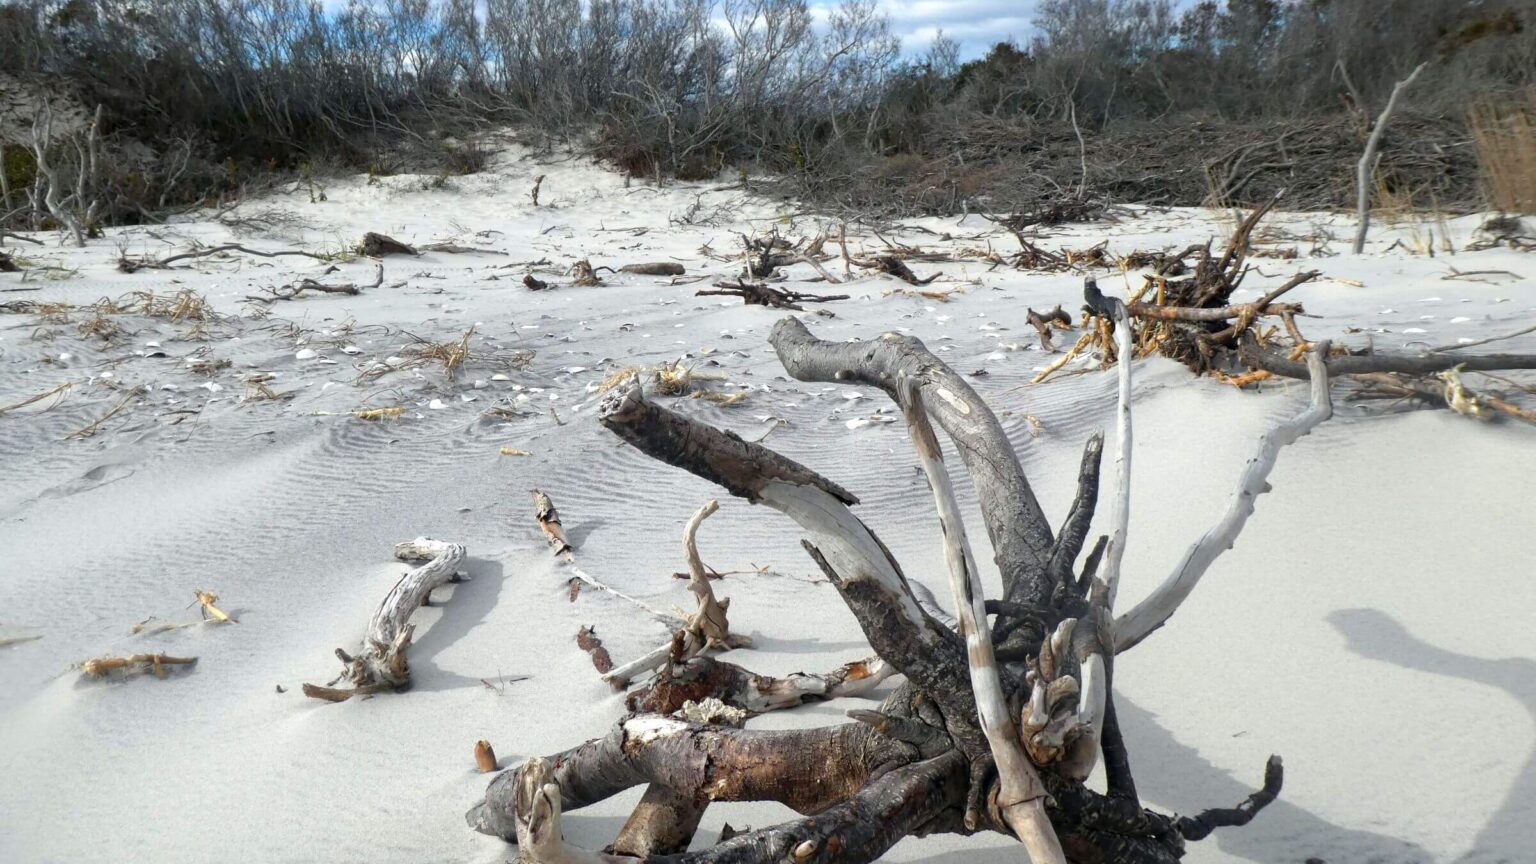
1372	624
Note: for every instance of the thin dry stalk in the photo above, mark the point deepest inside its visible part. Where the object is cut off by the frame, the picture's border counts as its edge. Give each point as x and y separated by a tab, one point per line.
1505	137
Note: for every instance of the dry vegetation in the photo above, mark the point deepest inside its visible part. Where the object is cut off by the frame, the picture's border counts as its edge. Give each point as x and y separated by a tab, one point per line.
1126	100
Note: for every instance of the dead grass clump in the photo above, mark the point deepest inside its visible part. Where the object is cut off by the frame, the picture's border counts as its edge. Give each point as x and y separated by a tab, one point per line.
674	379
452	355
184	305
1505	136
99	326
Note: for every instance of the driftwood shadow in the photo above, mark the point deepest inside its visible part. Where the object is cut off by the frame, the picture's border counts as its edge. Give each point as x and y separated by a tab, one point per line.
1509	833
461	611
1176	776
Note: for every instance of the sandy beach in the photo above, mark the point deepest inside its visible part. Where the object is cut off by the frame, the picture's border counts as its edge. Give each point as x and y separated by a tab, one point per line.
1372	624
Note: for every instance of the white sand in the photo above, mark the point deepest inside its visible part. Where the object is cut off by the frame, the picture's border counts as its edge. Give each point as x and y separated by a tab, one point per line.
1372	624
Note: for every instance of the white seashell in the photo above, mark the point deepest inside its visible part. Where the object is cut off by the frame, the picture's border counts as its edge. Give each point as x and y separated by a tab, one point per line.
394	361
500	377
468	397
306	354
1415	330
436	405
1460	319
857	423
853	394
351	349
211	387
480	384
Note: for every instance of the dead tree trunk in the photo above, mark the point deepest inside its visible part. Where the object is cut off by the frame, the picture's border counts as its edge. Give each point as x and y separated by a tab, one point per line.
980	735
1363	170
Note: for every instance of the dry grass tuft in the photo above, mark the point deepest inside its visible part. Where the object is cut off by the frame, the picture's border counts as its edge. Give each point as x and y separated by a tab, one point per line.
453	355
1505	136
674	379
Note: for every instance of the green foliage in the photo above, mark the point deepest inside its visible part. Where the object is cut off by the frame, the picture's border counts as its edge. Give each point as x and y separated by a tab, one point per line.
20	166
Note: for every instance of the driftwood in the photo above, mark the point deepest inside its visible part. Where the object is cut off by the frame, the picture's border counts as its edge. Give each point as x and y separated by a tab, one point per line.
1043	324
994	727
7	264
533	283
105	667
655	268
703	677
381	665
708	628
377	245
1367	164
1357	364
759	294
583	275
133	265
292	291
892	266
548	517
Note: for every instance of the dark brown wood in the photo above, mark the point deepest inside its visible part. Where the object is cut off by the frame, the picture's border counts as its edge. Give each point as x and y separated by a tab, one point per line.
1357	364
376	245
759	294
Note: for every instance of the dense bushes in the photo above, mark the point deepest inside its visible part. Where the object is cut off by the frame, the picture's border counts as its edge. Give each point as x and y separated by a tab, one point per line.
1214	102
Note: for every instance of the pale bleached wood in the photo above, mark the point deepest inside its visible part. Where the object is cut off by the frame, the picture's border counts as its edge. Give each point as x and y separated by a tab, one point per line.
381	665
1120	504
1159	606
1093	677
1022	798
707	628
1363	168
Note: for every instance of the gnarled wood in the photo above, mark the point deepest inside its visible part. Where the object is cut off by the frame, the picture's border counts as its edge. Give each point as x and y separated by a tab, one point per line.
381	665
1021	535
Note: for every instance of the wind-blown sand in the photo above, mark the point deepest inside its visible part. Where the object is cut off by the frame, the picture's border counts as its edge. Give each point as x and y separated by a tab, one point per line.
1372	624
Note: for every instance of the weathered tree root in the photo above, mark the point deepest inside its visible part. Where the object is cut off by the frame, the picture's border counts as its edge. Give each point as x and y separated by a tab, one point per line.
381	666
701	678
973	738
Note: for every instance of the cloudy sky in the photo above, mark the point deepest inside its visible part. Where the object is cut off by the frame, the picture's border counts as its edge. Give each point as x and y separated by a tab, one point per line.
976	24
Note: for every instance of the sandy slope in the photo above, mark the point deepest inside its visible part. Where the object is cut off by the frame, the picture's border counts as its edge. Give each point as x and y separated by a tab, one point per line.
1372	625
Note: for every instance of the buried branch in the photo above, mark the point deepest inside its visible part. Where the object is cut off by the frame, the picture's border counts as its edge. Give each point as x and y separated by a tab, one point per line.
381	665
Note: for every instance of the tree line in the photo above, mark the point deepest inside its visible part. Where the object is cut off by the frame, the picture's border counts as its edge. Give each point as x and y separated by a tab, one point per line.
1114	98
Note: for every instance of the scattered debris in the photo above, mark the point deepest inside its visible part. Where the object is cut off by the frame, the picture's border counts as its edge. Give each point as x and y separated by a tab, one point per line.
549	522
586	640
